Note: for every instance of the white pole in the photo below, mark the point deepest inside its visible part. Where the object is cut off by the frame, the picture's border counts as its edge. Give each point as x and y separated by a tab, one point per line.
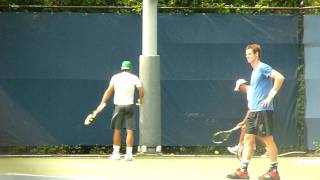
149	27
150	110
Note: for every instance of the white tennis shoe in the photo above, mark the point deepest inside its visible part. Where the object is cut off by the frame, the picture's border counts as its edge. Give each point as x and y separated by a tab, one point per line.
128	157
234	149
265	155
115	156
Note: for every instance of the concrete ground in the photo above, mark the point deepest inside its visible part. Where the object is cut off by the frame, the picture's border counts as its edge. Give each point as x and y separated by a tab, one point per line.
150	167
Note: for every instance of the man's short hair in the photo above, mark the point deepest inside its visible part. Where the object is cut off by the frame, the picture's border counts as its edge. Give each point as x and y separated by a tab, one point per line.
256	48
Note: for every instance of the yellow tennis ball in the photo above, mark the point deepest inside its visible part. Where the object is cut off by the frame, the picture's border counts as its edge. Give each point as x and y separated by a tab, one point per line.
216	152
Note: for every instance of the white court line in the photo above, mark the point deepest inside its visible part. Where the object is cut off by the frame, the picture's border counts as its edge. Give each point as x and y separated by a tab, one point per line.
54	155
307	161
64	177
44	176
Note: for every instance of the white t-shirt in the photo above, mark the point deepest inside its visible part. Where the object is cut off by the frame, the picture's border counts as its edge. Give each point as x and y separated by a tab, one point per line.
124	85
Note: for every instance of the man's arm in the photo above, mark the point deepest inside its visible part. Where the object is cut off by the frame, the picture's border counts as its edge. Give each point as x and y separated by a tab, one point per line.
244	120
105	98
141	95
278	81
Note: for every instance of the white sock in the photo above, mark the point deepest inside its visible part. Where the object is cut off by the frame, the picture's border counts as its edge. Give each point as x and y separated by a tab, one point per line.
129	150
116	149
244	161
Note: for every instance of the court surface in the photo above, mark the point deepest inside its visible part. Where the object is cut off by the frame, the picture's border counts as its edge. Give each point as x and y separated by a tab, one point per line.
149	167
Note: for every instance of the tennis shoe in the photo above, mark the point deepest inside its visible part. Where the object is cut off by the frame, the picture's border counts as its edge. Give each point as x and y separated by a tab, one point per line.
265	155
234	150
270	175
115	156
128	157
238	175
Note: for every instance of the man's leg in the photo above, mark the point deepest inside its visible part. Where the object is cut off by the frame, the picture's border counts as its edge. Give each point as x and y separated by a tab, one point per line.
248	148
116	144
265	154
249	140
129	142
271	147
242	172
130	138
117	137
241	140
273	154
242	133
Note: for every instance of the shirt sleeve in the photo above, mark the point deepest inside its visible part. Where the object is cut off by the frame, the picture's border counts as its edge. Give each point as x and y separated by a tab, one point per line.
137	82
111	81
266	70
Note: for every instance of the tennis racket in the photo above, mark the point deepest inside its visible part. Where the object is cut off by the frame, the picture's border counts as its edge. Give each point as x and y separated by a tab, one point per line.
222	136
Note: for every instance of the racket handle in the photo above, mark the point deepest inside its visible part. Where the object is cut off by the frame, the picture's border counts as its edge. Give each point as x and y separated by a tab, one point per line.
88	120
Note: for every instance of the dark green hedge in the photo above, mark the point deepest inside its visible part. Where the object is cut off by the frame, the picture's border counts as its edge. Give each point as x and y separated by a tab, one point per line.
221	6
239	3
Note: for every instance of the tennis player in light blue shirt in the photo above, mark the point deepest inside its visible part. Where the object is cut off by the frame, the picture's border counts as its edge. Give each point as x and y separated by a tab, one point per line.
265	83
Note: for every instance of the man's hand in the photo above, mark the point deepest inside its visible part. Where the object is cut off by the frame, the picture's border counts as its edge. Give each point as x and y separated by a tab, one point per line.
267	101
139	102
88	120
241	124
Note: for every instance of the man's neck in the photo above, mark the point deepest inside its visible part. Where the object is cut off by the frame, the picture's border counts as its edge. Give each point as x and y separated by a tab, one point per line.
255	63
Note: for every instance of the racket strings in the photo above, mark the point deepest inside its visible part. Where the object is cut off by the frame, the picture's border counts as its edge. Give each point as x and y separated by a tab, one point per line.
225	135
220	137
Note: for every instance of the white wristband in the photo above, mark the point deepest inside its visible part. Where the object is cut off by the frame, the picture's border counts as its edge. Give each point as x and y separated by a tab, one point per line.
272	93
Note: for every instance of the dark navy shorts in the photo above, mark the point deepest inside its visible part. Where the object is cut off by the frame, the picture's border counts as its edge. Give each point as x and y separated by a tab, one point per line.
123	117
260	123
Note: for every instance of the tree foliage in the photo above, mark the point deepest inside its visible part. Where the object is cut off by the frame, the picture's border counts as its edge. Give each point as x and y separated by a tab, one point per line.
135	6
170	3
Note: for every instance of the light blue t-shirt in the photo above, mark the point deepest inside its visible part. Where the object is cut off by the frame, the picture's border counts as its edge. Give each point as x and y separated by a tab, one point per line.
261	84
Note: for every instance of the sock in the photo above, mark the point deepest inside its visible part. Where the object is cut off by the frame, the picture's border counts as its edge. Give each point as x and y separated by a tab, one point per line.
244	166
129	150
116	149
274	166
